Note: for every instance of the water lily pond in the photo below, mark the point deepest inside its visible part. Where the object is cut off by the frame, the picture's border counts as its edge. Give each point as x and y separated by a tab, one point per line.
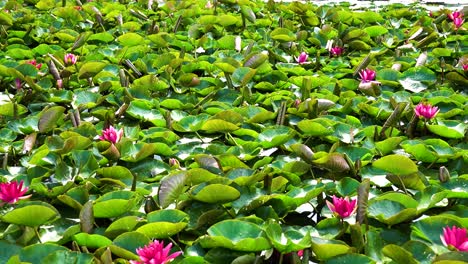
233	131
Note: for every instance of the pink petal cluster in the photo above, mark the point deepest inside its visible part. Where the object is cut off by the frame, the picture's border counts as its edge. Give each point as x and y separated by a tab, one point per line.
455	14
111	135
455	238
367	75
155	253
342	207
465	67
457	19
336	51
35	64
426	110
11	192
302	58
70	59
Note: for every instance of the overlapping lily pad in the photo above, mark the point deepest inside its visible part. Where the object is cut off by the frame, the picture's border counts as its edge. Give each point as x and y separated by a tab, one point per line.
240	120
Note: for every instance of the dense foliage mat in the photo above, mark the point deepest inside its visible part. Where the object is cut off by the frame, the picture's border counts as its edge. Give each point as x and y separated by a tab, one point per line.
239	131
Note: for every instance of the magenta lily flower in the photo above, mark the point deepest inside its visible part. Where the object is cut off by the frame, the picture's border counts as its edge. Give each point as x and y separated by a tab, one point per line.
336	51
35	64
342	207
302	58
12	192
455	14
465	67
367	75
458	22
155	253
455	238
426	110
111	135
70	59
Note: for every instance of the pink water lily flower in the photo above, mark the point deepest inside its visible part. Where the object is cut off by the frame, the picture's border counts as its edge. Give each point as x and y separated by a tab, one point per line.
12	192
458	22
336	51
465	67
367	75
302	58
35	64
155	253
70	59
342	207
455	14
111	135
426	110
455	238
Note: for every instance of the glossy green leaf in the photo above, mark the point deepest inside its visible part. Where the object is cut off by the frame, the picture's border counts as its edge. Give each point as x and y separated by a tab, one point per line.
130	39
49	118
236	235
160	230
90	69
91	240
31	214
396	164
215	193
326	249
171	188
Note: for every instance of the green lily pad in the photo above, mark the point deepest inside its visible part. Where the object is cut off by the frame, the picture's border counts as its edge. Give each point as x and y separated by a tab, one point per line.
160	230
31	214
448	129
91	240
289	240
235	235
215	193
396	164
326	249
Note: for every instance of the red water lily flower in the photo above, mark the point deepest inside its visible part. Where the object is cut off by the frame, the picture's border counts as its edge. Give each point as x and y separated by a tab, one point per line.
426	110
111	135
12	192
342	207
455	238
155	253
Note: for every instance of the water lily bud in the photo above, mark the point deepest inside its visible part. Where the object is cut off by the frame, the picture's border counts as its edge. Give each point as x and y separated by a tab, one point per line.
150	205
59	83
302	58
396	66
238	43
444	174
297	102
174	163
421	59
18	84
